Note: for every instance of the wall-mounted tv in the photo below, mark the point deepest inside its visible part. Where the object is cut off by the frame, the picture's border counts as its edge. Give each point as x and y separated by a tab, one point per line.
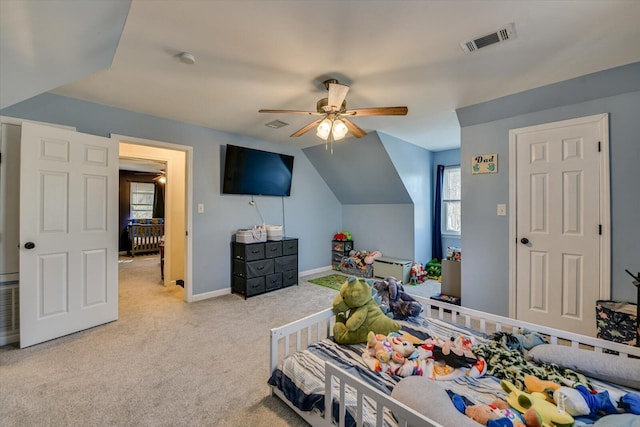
256	172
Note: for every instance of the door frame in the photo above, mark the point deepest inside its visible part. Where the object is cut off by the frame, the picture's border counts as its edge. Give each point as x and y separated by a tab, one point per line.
604	208
188	150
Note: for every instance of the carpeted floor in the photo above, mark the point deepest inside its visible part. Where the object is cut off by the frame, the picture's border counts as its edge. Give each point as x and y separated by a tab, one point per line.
162	363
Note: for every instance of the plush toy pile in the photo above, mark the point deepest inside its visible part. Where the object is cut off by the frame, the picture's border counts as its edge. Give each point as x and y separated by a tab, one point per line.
404	355
357	314
394	300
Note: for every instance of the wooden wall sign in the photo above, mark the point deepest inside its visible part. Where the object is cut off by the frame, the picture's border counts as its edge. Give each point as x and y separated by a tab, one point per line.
484	163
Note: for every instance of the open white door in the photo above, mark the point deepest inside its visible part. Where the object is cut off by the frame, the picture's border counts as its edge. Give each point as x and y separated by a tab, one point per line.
68	232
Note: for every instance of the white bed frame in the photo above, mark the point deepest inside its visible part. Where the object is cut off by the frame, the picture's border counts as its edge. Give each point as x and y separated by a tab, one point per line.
298	335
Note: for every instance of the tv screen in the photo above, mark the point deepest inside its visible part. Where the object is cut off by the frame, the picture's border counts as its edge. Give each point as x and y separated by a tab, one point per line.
256	172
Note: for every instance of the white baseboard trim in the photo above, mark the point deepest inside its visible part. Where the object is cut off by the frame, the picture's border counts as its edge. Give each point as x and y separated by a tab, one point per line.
314	271
212	294
9	339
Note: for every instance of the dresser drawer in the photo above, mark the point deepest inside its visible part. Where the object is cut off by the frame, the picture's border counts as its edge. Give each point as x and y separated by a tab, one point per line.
273	281
252	269
249	252
290	247
248	287
286	263
273	249
289	278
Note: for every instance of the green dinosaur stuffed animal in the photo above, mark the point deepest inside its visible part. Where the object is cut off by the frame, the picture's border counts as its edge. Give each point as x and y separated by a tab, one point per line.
364	314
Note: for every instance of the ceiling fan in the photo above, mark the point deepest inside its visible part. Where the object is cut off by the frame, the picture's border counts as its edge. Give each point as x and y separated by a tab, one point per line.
334	123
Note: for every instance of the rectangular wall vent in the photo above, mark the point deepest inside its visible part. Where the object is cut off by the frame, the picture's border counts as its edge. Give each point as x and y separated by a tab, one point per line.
503	34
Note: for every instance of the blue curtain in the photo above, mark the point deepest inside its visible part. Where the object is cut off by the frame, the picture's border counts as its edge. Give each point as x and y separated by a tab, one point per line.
436	244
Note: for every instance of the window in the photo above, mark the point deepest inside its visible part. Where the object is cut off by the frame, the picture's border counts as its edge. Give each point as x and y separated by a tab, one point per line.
142	200
451	201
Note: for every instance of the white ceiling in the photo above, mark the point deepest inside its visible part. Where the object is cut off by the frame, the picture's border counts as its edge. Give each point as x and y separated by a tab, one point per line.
274	54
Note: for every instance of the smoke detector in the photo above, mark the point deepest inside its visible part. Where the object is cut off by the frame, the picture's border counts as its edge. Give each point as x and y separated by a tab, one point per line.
187	58
503	34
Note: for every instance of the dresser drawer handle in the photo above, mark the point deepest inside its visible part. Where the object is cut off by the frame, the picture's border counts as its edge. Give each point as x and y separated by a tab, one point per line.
255	251
261	267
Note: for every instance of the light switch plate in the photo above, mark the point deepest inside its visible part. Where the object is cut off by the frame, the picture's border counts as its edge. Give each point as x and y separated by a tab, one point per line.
502	209
200	207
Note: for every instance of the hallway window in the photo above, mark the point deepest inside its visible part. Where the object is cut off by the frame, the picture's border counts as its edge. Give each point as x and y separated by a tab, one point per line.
142	200
451	223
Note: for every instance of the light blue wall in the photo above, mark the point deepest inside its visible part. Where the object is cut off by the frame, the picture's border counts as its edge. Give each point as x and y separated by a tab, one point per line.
312	213
385	228
413	164
446	158
384	185
484	238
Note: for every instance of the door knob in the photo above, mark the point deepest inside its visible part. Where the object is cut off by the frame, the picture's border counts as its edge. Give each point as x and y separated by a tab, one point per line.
29	245
524	240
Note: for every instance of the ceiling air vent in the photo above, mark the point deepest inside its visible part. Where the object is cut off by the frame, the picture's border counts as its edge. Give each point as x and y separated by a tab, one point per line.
505	33
276	124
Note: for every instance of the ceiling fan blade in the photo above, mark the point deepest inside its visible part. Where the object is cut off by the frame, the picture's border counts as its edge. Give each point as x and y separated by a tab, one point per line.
307	128
354	129
378	111
337	93
310	113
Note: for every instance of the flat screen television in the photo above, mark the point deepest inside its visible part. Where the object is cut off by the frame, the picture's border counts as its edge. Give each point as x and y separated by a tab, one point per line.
256	172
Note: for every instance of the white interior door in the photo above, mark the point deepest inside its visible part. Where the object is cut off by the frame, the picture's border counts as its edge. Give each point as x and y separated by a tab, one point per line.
558	252
68	232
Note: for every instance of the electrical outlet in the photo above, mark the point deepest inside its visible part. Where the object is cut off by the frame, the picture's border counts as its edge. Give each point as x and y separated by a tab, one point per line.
200	207
502	209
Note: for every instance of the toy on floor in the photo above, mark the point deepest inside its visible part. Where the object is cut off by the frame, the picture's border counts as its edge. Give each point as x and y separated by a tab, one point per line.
418	274
395	300
364	314
434	269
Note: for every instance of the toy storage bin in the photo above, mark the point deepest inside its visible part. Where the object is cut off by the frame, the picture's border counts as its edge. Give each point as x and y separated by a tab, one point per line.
354	271
617	321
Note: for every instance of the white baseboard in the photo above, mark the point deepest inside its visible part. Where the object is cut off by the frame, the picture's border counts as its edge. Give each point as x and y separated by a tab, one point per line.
314	271
212	294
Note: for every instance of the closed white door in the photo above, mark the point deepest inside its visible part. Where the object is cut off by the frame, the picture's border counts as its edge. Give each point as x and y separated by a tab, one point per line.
558	252
68	232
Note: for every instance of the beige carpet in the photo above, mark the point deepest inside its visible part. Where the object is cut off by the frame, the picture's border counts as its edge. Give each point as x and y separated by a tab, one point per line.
163	363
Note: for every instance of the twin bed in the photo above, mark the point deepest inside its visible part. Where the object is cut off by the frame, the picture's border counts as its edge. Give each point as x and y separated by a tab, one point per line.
310	372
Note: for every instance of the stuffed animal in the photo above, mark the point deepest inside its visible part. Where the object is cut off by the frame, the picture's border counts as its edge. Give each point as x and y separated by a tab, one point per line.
364	316
497	414
371	256
522	401
580	401
536	385
393	296
392	354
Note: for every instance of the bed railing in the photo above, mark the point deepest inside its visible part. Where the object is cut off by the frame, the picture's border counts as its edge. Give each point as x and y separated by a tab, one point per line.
488	323
145	237
298	335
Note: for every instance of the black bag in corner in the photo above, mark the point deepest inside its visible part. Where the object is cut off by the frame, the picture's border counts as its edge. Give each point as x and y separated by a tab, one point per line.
617	321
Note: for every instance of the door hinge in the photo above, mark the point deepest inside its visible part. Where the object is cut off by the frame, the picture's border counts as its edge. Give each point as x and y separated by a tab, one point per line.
600	229
186	233
599	146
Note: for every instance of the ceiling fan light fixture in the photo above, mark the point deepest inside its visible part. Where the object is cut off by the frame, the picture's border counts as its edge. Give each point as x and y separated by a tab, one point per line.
324	128
339	130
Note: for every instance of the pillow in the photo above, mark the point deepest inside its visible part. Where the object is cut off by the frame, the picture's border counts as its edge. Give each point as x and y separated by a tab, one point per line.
618	420
426	397
607	367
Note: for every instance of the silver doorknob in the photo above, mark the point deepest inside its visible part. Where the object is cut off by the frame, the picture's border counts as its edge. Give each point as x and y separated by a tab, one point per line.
29	245
524	240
